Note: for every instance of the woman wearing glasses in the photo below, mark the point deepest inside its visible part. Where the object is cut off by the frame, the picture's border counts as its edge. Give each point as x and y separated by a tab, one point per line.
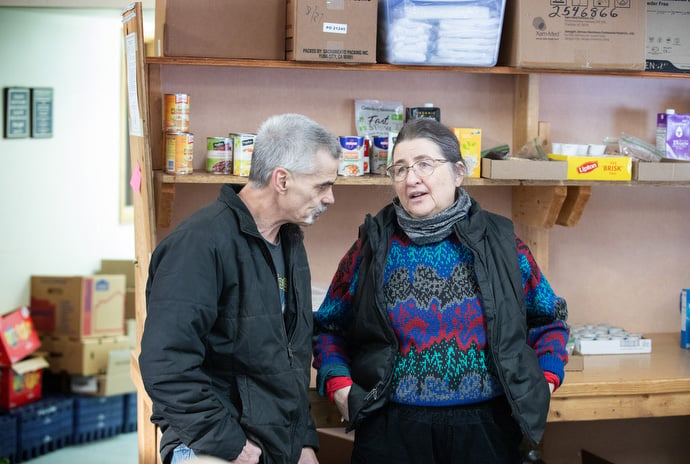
439	339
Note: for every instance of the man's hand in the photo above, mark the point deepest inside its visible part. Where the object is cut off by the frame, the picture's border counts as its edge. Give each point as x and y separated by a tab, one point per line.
308	456
250	454
340	400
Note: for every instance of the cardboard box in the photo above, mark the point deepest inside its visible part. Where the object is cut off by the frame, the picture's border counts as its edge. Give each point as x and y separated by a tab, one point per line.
613	168
558	34
665	170
116	381
18	338
668	36
327	30
470	139
253	29
623	346
242	149
678	136
126	267
81	357
576	362
440	33
523	169
79	307
685	318
21	382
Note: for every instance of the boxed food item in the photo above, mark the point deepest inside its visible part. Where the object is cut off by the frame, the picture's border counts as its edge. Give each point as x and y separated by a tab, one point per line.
619	346
451	33
253	29
79	306
558	34
668	36
470	139
21	383
524	169
614	168
88	356
326	30
18	339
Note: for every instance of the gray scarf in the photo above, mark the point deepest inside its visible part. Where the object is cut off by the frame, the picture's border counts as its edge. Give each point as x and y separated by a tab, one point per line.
433	229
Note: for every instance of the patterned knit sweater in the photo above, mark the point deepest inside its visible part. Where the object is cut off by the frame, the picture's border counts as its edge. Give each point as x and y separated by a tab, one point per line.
436	312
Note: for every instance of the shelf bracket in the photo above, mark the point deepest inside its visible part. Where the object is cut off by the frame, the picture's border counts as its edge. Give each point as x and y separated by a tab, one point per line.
165	196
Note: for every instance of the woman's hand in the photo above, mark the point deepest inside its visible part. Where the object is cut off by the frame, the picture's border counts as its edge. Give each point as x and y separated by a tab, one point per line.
340	400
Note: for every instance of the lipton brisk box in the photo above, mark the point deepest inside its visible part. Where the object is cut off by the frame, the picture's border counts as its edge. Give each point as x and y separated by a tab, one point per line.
574	35
614	168
470	139
326	30
18	339
685	318
21	383
80	306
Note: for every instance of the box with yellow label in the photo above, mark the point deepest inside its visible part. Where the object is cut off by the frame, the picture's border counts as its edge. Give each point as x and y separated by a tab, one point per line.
470	139
597	167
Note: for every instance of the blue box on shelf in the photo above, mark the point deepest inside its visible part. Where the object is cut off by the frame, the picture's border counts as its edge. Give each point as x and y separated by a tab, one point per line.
8	437
43	426
97	417
448	33
129	419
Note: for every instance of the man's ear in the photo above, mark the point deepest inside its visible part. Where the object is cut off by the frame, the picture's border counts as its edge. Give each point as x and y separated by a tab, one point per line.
280	180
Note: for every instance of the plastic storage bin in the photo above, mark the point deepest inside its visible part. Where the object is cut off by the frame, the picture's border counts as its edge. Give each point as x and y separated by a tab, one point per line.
43	426
129	420
97	417
8	437
440	32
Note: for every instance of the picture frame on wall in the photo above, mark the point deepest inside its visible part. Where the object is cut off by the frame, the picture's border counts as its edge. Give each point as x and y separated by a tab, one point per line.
17	112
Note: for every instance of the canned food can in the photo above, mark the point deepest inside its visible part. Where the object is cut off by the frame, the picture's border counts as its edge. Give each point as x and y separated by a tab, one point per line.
242	150
179	152
352	158
176	112
219	155
379	155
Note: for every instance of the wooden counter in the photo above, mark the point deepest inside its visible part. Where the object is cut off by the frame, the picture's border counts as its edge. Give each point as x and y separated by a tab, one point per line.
628	385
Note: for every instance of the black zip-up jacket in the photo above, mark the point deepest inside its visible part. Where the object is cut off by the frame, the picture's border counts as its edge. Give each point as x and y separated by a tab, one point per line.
492	240
216	358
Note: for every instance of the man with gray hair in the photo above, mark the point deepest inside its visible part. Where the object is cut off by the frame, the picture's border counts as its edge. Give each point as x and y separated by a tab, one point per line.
226	348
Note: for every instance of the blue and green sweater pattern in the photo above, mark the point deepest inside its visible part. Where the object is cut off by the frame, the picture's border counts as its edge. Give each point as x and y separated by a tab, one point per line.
436	312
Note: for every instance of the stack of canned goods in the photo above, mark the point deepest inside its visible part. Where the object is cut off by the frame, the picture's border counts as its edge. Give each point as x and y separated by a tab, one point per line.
179	142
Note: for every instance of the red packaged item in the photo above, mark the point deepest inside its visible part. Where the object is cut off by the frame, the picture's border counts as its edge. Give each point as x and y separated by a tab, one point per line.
21	383
18	338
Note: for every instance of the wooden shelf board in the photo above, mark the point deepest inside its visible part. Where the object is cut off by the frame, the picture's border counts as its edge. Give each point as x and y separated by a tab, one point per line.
384	67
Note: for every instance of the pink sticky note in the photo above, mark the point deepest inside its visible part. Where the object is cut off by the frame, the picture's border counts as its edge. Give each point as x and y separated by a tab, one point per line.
135	180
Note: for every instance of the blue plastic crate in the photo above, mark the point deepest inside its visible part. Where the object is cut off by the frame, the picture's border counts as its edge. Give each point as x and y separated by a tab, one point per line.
97	417
43	426
8	437
129	419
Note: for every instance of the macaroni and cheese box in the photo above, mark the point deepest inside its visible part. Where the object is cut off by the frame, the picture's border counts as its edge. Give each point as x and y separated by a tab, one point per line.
614	168
18	339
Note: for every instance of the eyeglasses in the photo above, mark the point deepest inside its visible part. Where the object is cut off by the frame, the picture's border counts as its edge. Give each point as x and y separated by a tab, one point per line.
421	168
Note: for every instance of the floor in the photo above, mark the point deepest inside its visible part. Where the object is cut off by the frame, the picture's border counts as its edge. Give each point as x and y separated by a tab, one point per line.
120	449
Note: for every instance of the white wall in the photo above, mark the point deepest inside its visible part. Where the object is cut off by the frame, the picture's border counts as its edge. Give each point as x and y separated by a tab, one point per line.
59	197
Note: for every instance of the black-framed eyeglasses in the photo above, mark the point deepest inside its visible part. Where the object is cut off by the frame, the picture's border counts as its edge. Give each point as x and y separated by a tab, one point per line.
421	168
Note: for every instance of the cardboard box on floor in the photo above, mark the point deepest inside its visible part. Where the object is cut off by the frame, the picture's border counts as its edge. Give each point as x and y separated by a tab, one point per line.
116	381
542	34
21	383
79	306
81	357
324	30
252	29
126	267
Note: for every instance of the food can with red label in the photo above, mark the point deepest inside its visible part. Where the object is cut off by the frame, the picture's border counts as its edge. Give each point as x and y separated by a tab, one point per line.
179	152
352	158
219	155
176	112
